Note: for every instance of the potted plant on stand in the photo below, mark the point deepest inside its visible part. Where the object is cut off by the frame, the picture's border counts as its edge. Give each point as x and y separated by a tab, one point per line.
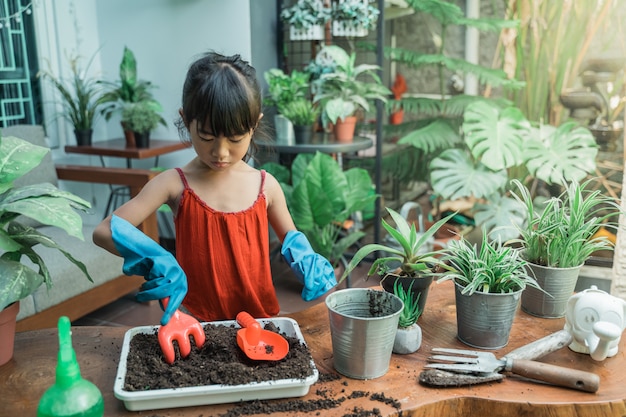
141	119
283	89
42	203
342	92
79	99
306	19
488	282
128	89
353	18
557	237
303	114
406	257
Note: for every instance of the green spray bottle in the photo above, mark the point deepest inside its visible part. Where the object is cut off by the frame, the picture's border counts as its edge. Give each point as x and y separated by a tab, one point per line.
71	395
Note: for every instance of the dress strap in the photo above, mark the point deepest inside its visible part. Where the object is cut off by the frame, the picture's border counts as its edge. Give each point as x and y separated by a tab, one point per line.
183	178
262	181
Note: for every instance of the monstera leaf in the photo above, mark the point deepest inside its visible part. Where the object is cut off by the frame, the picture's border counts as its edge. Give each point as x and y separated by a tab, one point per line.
567	152
453	174
440	134
496	138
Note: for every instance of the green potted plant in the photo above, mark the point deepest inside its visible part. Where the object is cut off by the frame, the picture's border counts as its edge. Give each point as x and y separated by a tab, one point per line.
303	114
343	92
141	119
409	335
128	89
282	90
19	206
488	279
80	97
306	19
321	198
406	257
558	237
353	17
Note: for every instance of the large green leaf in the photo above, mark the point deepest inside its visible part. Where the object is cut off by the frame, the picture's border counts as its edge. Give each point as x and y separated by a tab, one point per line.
17	157
454	175
16	281
500	217
440	134
495	137
567	152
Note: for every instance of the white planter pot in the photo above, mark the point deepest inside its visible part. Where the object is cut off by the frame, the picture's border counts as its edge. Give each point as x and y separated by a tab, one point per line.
408	339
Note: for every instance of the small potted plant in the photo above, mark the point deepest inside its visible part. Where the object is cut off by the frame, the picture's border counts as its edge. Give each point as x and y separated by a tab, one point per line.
488	279
141	118
306	19
128	89
557	238
409	335
282	90
42	203
353	17
406	258
79	98
343	92
303	114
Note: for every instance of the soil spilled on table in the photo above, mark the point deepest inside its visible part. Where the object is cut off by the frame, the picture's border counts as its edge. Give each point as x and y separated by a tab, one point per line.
220	361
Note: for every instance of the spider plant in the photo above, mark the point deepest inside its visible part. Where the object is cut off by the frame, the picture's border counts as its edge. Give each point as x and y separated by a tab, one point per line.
562	232
411	311
80	95
490	268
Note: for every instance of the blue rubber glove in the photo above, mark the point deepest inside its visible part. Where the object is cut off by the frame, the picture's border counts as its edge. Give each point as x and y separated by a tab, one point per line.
143	256
311	269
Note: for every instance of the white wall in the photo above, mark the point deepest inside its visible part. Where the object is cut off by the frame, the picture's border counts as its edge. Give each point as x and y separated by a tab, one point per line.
165	36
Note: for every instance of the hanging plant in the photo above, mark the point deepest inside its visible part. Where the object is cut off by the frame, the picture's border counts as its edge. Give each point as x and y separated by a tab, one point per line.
306	19
353	17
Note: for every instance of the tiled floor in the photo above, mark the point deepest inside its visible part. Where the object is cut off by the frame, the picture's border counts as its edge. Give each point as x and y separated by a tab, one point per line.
127	312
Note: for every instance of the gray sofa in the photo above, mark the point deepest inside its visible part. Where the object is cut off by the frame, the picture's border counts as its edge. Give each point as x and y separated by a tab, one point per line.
72	294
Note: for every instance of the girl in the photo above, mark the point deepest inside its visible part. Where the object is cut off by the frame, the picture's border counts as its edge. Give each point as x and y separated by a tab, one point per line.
221	209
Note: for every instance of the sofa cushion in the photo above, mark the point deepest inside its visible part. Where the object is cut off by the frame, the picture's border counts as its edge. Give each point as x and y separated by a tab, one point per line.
67	280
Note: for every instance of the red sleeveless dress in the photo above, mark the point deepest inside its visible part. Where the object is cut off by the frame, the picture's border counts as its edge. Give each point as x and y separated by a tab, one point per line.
225	257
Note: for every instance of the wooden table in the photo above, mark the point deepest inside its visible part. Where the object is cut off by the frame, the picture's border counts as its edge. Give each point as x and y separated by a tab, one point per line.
24	379
117	148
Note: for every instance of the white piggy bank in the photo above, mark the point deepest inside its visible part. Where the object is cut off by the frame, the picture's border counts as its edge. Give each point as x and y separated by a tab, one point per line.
595	319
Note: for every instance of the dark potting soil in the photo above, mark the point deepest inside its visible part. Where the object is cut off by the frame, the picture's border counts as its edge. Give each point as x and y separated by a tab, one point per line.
220	361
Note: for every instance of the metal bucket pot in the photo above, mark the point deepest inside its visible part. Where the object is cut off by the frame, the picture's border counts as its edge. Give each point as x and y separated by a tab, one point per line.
484	320
558	282
363	325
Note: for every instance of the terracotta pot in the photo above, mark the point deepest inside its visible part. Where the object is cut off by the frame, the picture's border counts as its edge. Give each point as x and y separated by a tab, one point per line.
396	117
7	331
344	129
129	135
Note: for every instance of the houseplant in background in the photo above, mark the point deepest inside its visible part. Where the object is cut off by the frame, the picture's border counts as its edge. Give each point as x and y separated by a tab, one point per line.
128	89
306	19
282	90
141	119
80	97
343	92
557	237
488	282
353	17
409	335
405	258
303	114
19	206
321	198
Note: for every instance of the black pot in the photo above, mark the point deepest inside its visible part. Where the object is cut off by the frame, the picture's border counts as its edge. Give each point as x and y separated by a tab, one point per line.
142	140
420	286
303	134
83	137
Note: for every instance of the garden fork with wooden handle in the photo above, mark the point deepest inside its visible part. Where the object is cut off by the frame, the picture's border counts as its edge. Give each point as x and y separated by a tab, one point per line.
178	329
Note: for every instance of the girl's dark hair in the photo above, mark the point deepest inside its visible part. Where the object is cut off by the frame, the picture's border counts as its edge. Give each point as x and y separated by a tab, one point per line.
223	94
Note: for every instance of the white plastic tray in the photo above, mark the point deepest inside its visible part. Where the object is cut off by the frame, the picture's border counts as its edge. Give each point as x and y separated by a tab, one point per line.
211	394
